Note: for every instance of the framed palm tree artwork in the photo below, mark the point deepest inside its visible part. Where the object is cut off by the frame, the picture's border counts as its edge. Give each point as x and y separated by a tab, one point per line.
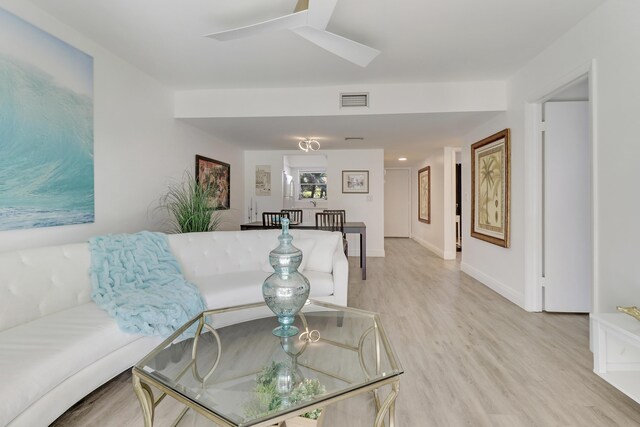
490	183
424	195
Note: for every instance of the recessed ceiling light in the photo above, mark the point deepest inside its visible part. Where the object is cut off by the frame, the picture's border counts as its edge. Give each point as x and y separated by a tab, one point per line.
402	159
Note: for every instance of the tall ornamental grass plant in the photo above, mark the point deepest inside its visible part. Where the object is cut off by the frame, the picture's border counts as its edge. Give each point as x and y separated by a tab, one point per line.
191	207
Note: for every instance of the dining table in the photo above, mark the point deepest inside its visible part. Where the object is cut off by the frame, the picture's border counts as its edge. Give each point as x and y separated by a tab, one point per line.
353	227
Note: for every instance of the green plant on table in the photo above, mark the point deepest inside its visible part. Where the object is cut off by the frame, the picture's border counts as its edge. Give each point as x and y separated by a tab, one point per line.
268	400
191	206
307	390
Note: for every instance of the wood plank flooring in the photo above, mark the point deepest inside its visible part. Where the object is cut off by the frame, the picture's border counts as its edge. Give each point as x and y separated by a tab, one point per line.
471	358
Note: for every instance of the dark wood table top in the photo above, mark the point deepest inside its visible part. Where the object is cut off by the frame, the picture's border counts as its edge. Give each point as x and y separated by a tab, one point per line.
349	225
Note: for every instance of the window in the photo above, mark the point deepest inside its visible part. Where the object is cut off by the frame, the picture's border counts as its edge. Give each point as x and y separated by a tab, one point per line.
313	185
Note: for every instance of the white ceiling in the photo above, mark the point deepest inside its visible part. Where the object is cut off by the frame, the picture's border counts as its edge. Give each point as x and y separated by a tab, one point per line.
402	135
420	40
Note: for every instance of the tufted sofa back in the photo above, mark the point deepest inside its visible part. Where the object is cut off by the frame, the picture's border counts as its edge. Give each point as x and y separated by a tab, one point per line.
208	254
42	281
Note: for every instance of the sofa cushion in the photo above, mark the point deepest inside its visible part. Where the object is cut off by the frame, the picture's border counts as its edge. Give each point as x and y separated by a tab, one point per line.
245	287
42	281
321	258
37	356
305	245
231	289
321	283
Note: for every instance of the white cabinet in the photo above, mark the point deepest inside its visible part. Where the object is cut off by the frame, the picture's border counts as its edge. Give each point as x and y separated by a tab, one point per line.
616	351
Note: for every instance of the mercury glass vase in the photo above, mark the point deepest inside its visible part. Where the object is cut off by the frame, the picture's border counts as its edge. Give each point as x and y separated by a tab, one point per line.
285	291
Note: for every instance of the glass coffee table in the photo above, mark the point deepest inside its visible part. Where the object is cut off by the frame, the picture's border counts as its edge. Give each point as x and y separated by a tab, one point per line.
238	374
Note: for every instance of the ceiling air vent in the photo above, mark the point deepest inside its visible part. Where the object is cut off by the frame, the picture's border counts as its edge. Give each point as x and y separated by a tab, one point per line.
354	100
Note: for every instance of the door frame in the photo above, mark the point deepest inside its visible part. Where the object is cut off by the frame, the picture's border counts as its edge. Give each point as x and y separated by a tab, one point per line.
450	251
533	179
408	169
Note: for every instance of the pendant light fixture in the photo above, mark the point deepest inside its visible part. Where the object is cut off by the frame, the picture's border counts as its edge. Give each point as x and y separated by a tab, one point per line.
308	144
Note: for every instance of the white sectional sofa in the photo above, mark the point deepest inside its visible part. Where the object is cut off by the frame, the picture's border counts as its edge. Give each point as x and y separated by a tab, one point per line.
56	345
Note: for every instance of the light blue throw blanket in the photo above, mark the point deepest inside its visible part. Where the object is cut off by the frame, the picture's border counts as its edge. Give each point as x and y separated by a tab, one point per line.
138	281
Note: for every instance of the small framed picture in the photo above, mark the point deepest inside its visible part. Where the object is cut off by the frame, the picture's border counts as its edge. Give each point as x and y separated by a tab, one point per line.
424	195
216	175
355	182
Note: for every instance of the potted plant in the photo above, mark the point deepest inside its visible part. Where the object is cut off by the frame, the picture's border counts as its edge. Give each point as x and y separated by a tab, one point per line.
270	396
190	206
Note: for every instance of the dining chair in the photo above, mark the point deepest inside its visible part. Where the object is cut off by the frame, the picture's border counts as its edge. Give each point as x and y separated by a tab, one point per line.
344	213
333	221
272	219
295	215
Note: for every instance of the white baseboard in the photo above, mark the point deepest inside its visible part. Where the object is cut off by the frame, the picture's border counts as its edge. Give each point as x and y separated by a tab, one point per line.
354	248
375	253
433	248
494	284
449	255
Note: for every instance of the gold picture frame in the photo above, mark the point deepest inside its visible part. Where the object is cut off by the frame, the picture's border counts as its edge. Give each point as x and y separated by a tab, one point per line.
424	195
491	189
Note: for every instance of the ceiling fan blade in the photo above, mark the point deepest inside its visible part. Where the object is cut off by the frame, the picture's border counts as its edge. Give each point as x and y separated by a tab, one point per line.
350	50
320	12
286	22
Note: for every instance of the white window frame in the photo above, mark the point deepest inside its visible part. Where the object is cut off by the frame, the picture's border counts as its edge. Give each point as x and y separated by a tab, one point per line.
299	186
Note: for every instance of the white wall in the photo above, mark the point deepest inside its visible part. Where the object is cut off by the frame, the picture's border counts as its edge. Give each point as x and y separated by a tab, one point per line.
138	146
358	206
499	268
611	36
430	235
398	98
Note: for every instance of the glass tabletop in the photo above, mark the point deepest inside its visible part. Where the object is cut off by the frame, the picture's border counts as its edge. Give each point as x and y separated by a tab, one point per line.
243	374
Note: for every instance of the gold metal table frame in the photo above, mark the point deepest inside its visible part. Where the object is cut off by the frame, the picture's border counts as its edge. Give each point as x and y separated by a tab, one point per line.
143	382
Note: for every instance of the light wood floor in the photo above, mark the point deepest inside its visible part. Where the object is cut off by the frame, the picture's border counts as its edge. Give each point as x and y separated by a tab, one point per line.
471	358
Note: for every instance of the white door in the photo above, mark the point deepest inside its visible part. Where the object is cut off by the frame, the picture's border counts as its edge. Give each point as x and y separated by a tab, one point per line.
397	202
567	258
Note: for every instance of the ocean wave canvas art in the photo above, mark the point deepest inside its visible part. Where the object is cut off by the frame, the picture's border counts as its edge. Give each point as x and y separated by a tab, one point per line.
46	129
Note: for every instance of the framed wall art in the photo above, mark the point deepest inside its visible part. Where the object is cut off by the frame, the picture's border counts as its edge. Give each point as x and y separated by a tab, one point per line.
217	175
490	188
424	195
355	182
263	180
